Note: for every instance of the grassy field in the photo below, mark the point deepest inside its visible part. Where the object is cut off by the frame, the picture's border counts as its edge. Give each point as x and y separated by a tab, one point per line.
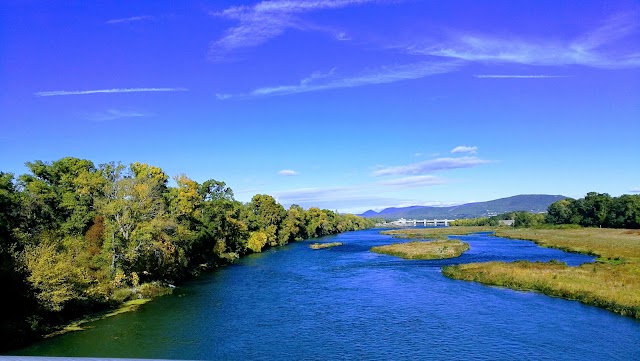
324	245
608	244
440	249
612	283
435	233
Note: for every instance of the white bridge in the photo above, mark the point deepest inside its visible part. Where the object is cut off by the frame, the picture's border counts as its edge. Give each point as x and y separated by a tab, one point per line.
422	222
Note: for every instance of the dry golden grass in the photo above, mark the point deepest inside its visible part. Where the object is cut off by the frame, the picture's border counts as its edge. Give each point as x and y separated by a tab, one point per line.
613	283
614	287
435	233
324	245
603	242
424	250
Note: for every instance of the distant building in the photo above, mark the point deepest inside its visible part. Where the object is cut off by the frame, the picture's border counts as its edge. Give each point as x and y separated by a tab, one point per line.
400	222
506	222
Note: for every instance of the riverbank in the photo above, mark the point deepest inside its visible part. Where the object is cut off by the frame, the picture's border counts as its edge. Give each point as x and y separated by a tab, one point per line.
441	249
612	283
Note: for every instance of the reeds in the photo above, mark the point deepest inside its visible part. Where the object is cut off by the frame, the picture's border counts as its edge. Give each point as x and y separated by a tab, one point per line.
612	283
440	249
324	245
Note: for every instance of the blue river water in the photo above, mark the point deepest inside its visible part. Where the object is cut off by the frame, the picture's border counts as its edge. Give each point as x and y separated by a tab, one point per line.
346	303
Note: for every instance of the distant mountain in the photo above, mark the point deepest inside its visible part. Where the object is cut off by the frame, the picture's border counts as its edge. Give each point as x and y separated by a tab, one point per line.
534	203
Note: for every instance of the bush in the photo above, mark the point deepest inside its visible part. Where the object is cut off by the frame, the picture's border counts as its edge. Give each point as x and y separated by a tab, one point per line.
154	289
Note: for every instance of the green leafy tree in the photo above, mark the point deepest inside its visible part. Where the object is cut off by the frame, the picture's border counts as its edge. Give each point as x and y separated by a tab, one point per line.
560	212
137	225
17	299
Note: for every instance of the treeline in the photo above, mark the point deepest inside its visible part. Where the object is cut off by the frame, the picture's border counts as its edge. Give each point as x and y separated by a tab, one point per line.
594	210
597	210
76	238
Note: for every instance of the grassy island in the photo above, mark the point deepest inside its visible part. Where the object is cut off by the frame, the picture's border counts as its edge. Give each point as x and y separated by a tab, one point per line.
435	233
324	245
613	282
440	249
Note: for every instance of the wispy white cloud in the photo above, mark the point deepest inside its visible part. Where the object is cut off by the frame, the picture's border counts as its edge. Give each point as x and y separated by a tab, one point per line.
635	190
112	114
415	181
330	80
343	36
344	199
594	49
266	20
288	172
464	149
98	91
431	166
514	76
130	19
353	199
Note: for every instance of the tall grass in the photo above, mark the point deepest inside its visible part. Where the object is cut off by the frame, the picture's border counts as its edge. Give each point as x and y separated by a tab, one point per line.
613	283
614	287
606	243
424	250
435	233
324	245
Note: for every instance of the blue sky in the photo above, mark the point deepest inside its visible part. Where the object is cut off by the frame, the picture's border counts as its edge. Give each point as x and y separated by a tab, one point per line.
343	104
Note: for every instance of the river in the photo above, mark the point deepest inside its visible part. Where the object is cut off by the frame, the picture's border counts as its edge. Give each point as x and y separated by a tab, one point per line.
294	303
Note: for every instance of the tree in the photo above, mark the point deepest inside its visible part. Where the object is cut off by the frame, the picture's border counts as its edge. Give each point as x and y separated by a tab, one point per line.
54	275
293	227
60	196
624	212
559	212
137	224
265	214
594	209
527	220
17	301
222	233
257	241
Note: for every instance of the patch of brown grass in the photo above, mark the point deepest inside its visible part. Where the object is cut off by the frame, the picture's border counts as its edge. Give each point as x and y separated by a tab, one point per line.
424	250
611	244
324	245
614	287
612	283
435	233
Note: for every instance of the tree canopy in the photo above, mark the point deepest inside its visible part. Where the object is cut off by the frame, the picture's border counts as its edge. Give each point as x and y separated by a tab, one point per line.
75	236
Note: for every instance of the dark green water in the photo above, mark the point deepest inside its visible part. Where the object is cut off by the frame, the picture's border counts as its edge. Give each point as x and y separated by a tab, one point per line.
294	303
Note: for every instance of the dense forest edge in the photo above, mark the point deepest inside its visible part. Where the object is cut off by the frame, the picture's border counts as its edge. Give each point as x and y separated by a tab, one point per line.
76	238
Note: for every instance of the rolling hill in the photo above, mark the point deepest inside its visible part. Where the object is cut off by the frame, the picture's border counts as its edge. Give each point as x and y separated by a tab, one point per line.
534	203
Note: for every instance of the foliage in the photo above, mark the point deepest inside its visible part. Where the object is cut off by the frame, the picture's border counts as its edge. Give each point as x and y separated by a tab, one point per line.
597	210
594	210
75	237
